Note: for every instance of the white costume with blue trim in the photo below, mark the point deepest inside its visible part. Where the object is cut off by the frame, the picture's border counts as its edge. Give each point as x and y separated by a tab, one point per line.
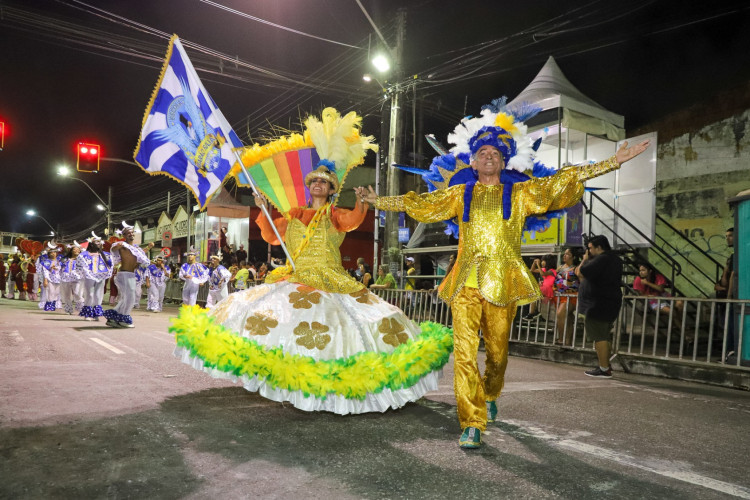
157	278
217	285
51	272
70	288
198	274
96	268
125	281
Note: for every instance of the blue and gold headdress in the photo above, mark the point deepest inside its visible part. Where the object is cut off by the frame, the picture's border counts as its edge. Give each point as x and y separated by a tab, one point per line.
502	127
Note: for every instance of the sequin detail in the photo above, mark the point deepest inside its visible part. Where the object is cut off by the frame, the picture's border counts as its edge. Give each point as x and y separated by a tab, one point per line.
304	297
312	336
487	240
393	332
261	323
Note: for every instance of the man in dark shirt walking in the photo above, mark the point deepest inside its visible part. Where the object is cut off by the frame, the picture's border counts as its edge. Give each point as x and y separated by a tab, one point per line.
601	270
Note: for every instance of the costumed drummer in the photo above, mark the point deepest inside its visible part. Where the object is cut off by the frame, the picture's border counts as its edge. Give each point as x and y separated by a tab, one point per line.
129	257
489	279
195	275
311	334
217	282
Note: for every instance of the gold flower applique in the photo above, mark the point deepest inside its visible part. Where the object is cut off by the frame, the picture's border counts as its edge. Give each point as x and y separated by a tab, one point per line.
312	335
393	332
304	297
364	297
261	323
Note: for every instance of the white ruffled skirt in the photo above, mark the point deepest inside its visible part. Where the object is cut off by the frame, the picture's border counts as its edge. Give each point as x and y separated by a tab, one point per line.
342	353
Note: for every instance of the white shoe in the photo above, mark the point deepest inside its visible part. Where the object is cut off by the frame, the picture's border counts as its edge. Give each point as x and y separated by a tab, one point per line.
125	325
113	323
88	319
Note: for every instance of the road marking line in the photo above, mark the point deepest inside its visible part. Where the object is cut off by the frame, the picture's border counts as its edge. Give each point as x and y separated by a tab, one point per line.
108	346
660	467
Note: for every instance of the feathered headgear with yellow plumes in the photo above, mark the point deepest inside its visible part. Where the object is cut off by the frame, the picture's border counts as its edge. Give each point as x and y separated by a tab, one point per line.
329	148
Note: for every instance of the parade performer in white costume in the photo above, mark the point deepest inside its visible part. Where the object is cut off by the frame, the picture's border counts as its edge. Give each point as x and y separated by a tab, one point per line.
52	277
128	256
70	288
40	264
96	267
217	282
194	274
311	334
157	275
140	280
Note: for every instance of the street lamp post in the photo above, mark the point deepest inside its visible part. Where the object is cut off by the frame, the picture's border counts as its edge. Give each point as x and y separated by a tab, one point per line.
65	172
32	213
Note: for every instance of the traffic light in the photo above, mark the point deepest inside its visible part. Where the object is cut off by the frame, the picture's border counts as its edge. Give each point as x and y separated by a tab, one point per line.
2	135
88	157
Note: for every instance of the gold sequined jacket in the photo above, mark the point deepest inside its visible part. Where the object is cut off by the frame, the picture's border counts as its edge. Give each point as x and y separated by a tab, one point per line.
488	241
319	264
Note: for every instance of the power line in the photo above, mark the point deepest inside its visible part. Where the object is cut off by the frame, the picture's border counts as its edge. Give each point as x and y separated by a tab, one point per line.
248	16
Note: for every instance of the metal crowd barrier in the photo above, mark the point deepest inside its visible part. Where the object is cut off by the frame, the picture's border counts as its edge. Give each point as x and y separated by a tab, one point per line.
679	328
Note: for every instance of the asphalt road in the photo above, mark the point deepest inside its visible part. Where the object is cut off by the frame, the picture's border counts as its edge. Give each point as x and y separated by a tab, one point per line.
92	412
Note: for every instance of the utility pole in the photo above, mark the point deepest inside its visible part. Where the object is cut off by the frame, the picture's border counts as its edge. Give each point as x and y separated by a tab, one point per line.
109	211
395	141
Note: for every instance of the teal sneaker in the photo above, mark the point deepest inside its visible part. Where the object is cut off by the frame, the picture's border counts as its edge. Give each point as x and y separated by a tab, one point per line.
471	438
491	411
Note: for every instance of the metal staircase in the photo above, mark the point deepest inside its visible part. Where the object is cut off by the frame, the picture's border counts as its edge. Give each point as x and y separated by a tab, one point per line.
690	270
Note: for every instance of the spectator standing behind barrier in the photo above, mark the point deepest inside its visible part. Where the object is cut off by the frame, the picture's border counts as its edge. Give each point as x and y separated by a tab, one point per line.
602	272
566	283
545	268
410	271
385	279
358	269
241	254
364	272
724	290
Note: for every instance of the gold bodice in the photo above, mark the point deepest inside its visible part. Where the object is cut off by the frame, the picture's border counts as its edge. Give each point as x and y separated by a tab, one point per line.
319	264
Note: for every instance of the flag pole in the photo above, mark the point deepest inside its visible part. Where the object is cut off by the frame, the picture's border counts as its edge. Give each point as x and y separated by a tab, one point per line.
263	208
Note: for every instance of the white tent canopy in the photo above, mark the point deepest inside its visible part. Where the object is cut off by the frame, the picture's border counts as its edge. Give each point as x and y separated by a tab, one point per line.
550	89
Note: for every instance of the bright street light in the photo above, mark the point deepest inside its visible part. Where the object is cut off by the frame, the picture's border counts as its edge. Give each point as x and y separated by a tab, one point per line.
367	77
32	213
64	171
381	63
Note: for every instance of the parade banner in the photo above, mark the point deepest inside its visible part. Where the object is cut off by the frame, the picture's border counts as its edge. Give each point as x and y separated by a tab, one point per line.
184	134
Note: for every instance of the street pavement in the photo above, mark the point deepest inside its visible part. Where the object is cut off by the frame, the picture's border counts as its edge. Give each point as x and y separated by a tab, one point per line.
92	412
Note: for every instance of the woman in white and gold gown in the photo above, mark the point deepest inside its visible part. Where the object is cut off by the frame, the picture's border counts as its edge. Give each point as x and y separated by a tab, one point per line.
312	335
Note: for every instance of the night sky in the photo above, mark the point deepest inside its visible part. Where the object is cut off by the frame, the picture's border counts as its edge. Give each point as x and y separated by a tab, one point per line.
70	72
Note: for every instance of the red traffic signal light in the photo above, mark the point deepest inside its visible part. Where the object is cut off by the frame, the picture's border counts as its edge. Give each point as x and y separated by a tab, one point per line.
2	135
88	157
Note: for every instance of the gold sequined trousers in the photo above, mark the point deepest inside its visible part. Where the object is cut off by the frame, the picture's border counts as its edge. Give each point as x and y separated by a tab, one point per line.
471	312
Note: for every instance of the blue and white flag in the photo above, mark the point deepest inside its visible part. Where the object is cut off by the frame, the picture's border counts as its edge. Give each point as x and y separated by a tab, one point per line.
184	134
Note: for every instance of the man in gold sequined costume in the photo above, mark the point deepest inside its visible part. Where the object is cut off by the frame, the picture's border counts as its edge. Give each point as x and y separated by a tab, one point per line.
489	280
